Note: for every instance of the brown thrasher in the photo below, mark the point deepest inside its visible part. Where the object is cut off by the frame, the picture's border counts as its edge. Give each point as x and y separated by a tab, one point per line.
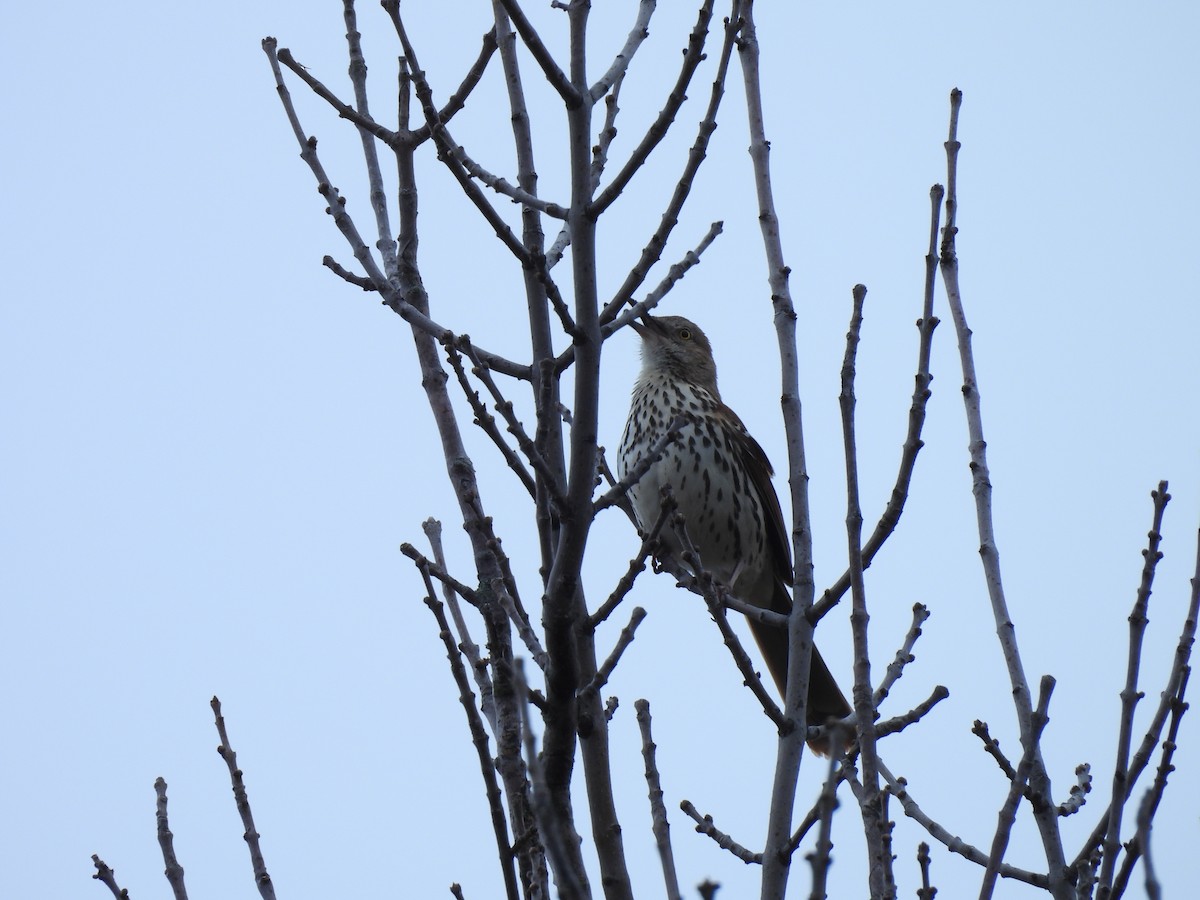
721	481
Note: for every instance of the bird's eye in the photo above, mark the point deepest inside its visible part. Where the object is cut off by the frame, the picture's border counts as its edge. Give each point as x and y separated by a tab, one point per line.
685	334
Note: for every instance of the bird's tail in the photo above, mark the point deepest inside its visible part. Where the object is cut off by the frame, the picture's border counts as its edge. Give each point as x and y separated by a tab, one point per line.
825	699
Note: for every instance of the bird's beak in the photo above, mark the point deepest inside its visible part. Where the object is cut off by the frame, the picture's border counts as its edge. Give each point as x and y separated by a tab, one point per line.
649	327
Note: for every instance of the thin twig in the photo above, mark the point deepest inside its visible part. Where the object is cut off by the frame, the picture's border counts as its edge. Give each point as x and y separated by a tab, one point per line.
1130	695
386	243
520	618
916	420
346	275
1079	791
903	656
827	802
897	724
486	421
653	249
870	796
555	832
1140	844
674	274
459	98
424	564
166	841
898	788
635	474
107	876
926	891
1016	790
345	224
504	406
362	120
1145	815
714	595
705	826
1044	811
636	566
447	149
660	827
624	639
262	880
479	738
608	133
666	116
620	64
487	701
557	78
1166	706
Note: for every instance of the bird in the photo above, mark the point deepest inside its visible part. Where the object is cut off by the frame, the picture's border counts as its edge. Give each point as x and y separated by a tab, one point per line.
720	479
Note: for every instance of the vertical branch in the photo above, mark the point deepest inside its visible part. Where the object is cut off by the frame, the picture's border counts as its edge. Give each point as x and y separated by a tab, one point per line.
776	861
166	841
549	442
870	798
262	880
1169	704
1141	839
1130	694
488	565
1016	789
358	77
916	418
1043	806
658	810
479	739
820	859
569	640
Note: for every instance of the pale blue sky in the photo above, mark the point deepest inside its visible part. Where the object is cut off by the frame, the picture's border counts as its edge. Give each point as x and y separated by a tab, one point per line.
215	448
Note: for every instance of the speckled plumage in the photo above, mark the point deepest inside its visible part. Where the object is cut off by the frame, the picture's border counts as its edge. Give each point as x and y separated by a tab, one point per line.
721	481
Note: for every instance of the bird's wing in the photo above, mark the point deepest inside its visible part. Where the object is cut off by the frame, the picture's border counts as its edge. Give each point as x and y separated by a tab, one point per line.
758	467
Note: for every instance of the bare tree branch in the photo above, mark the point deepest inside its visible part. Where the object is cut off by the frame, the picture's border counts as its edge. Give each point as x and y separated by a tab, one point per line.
393	297
1130	695
1044	811
485	420
926	891
658	810
666	116
898	788
556	833
654	247
869	796
479	738
638	33
916	420
108	877
1016	789
623	641
570	94
262	880
470	650
166	841
1167	703
705	826
636	566
791	746
1079	791
1140	844
903	656
459	98
820	859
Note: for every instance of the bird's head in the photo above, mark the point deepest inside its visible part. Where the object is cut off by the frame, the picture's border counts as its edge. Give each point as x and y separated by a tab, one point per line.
675	346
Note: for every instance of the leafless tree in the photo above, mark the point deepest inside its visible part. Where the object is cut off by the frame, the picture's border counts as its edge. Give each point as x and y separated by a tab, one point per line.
532	690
